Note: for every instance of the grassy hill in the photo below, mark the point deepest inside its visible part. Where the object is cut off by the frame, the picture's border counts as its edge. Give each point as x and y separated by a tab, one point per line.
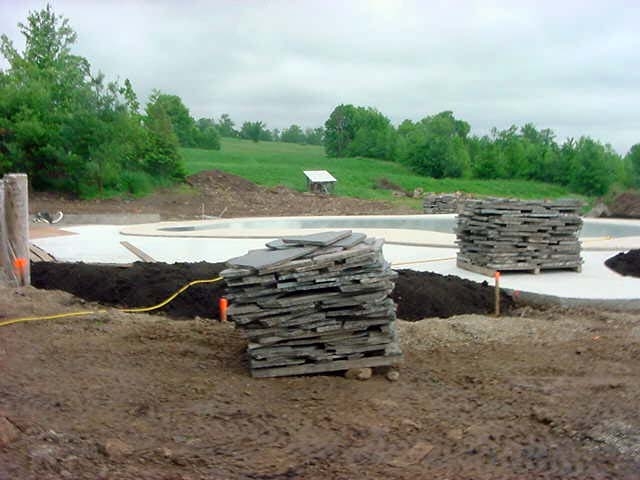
275	163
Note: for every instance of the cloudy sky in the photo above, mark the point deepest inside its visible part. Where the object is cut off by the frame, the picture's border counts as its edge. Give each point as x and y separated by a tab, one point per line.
569	65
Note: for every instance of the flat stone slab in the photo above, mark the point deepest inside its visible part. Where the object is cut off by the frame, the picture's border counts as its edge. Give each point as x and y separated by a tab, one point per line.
260	259
322	239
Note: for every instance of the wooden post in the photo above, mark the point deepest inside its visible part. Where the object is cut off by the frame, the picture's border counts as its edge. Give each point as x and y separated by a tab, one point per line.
497	306
5	258
17	215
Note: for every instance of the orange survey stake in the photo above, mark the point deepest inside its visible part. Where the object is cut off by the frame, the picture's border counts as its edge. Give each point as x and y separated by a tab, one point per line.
223	304
20	267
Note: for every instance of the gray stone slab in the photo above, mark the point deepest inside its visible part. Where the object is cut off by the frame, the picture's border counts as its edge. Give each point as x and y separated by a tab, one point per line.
235	273
286	301
292	266
321	239
351	241
261	259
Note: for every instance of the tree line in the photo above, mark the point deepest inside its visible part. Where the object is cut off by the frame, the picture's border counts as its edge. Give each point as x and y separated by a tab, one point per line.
257	131
440	146
72	131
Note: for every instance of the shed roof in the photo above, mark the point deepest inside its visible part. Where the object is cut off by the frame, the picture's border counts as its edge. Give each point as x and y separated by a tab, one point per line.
319	176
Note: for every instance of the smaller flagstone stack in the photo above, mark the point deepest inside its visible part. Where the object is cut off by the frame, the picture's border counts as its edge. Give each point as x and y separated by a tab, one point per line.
314	303
503	235
437	203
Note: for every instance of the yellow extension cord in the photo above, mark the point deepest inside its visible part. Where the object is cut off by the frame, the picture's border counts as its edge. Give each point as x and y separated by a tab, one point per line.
126	310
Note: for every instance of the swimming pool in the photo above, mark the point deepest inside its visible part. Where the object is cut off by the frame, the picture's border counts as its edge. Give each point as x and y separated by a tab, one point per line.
445	223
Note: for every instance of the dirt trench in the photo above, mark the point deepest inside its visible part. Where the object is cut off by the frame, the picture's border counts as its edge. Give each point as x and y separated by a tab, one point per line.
417	294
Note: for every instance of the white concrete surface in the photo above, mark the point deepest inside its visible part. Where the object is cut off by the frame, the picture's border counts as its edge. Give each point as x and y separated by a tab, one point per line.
435	229
101	244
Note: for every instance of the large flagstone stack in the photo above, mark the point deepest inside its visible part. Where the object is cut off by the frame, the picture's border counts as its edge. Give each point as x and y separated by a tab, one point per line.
503	235
314	303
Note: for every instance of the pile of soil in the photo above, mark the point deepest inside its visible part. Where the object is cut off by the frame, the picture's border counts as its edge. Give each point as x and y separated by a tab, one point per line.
627	264
425	294
418	294
625	205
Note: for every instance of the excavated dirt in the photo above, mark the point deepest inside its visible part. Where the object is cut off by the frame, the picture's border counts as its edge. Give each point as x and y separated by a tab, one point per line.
221	193
625	263
625	205
417	294
542	393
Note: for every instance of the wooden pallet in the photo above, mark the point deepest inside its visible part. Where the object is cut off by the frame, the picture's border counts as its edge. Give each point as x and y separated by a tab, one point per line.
37	254
534	269
308	368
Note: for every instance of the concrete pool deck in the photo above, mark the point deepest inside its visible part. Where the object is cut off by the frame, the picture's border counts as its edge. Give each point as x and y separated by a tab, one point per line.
244	228
404	248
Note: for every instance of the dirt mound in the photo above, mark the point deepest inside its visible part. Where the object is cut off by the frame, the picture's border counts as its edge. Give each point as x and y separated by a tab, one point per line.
625	205
627	264
386	184
141	285
418	294
424	294
214	180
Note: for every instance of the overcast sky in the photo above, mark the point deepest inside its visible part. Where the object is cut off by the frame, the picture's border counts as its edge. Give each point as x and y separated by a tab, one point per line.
572	66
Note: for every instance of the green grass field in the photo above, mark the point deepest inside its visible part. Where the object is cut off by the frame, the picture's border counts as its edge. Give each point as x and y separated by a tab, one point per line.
275	163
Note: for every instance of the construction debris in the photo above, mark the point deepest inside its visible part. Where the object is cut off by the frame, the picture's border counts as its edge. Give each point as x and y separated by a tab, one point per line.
314	303
502	235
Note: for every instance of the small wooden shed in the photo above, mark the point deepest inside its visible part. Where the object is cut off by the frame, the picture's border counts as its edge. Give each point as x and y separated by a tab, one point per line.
320	181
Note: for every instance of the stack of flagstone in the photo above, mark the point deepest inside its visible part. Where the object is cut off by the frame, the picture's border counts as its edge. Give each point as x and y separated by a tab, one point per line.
314	303
502	234
443	203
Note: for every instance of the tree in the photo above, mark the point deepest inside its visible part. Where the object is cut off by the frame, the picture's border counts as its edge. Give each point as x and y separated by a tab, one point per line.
207	135
340	129
357	131
374	135
162	155
183	124
225	126
436	146
67	128
591	167
293	134
314	136
633	159
252	130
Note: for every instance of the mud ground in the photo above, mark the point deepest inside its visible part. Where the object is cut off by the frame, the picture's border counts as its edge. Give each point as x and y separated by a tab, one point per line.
540	393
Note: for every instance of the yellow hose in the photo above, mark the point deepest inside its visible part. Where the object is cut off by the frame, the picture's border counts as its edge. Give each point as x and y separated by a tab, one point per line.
126	310
49	317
